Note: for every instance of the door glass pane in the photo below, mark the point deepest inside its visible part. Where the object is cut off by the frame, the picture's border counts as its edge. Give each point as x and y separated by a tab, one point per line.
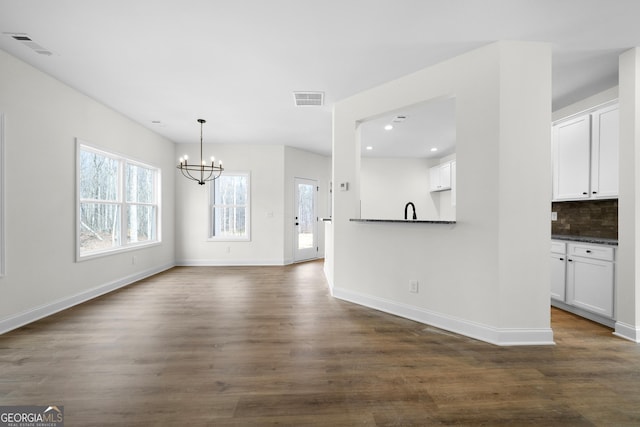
306	219
99	226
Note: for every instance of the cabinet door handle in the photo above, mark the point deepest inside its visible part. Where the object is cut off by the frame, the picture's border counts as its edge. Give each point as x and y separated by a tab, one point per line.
585	193
569	259
561	259
594	192
588	251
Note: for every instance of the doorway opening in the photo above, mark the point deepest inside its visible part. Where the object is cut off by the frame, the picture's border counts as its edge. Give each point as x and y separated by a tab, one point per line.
305	219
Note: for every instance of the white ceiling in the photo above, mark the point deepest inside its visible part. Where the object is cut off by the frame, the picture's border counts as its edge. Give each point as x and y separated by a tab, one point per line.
237	63
425	126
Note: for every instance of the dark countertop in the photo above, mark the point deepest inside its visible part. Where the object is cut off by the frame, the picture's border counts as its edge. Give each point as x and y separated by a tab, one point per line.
585	239
417	221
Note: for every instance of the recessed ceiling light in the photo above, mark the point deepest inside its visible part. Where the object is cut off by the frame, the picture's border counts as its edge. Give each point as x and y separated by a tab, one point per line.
388	127
369	147
434	149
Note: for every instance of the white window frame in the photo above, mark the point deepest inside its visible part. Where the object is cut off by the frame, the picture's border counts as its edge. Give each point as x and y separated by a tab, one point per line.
121	202
247	206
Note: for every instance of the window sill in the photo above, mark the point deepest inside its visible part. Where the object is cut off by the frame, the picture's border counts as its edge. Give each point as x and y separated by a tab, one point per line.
116	251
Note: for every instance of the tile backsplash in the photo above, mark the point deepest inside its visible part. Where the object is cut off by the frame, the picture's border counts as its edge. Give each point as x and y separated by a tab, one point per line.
589	218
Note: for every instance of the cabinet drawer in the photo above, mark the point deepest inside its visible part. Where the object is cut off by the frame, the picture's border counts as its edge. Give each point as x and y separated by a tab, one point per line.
558	247
591	251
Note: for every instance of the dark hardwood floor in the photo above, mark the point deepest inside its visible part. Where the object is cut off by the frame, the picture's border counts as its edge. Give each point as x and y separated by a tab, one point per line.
236	346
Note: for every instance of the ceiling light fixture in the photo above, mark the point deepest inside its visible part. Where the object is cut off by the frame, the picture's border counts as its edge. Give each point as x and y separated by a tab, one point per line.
434	149
388	127
206	172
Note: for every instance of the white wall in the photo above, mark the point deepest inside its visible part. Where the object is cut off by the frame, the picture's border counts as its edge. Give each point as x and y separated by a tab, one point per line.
487	276
43	117
272	169
266	247
387	184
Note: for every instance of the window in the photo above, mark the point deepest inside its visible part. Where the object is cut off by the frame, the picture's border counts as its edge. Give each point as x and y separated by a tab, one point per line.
118	202
229	207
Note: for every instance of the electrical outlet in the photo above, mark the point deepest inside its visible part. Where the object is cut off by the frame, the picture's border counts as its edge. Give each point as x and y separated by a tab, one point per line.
134	259
554	216
413	286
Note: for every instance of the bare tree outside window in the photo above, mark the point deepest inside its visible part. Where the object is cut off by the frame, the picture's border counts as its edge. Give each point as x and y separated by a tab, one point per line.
230	207
118	202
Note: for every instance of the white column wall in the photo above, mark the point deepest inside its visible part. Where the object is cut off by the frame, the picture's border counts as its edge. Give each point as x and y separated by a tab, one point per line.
628	258
487	276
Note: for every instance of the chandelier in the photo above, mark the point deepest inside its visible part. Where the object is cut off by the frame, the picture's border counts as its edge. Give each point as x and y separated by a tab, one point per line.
203	172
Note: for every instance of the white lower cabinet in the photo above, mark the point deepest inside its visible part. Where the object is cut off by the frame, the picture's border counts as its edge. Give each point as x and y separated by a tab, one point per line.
587	273
558	276
558	270
590	285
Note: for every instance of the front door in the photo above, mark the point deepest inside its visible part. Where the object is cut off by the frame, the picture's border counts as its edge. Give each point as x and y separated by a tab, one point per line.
305	219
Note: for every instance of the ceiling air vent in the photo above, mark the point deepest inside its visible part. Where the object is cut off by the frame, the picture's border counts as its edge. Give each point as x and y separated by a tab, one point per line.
28	42
308	99
399	119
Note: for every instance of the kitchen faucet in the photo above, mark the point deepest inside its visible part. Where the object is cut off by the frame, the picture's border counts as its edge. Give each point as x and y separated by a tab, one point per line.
412	207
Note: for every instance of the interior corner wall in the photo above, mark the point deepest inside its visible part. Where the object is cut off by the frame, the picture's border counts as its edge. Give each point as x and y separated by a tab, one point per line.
628	258
487	276
43	118
266	247
304	164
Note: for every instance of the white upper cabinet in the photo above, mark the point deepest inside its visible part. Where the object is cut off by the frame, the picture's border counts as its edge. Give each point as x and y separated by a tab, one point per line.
571	158
585	156
604	152
440	177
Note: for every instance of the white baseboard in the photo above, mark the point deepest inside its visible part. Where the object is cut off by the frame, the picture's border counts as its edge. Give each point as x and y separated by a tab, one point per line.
227	262
329	278
43	311
628	332
497	336
236	262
